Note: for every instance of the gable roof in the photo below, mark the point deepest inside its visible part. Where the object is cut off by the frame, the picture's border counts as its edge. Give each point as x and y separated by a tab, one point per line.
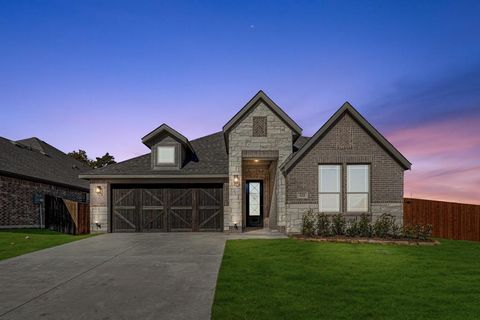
346	107
166	129
34	159
261	96
211	161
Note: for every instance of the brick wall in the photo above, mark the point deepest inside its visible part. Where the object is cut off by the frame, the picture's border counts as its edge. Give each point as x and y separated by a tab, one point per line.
17	208
346	143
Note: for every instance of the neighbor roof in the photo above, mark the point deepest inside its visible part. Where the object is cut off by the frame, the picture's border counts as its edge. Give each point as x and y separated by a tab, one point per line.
261	96
347	107
211	161
34	159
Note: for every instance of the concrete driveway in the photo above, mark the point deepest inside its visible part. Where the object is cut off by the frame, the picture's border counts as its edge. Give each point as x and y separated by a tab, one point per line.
115	276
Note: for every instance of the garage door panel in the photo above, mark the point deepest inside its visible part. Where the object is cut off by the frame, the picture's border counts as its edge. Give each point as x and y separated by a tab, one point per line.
124	210
153	210
173	208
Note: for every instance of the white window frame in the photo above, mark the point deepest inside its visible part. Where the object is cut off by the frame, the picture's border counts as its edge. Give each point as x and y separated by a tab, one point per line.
367	187
322	192
159	149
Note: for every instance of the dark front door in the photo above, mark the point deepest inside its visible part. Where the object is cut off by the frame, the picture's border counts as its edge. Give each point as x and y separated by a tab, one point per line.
254	195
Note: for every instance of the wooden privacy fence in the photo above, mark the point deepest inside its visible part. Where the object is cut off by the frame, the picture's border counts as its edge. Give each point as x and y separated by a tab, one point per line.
66	216
449	220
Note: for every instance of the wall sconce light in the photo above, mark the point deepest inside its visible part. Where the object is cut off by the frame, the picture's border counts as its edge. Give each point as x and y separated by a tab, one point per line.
235	226
256	160
98	190
99	226
236	181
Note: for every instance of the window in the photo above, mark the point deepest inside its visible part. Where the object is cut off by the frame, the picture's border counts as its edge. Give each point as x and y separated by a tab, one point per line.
329	188
357	188
165	155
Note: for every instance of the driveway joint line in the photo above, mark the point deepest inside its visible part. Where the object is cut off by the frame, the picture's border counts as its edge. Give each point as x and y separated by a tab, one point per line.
66	281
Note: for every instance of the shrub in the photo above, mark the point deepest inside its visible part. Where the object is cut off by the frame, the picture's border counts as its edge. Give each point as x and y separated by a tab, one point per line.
338	224
352	229
383	226
323	225
423	232
396	231
364	226
409	232
308	223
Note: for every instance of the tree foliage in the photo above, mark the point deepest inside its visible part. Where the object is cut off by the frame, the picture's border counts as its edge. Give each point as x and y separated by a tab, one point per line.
99	162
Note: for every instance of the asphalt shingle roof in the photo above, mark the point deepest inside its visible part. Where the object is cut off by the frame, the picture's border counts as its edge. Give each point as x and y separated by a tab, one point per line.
212	159
36	159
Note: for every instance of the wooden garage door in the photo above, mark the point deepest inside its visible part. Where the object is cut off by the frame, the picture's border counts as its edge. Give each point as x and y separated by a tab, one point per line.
172	208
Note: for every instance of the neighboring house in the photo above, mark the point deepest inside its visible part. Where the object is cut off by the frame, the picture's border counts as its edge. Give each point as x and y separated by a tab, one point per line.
30	169
259	171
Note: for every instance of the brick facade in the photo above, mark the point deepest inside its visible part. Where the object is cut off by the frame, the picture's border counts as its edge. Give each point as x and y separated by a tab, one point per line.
345	143
17	208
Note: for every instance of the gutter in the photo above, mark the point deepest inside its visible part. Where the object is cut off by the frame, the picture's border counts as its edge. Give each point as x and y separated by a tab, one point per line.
152	176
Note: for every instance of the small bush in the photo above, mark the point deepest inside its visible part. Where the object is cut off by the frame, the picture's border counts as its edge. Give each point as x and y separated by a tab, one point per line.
308	223
383	226
409	232
364	226
423	232
323	225
338	224
353	229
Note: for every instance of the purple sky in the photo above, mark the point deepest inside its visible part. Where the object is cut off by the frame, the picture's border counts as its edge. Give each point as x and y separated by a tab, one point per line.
99	75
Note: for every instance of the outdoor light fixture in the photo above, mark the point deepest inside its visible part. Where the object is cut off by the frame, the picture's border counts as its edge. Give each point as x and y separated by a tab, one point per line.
256	160
236	181
99	226
98	190
235	225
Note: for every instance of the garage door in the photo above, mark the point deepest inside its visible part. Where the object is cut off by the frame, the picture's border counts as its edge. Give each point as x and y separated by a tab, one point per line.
167	208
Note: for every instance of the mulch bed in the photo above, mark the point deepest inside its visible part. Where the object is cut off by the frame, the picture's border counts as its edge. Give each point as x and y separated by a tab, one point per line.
404	242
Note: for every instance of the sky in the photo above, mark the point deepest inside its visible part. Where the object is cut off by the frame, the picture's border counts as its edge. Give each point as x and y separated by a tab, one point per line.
99	75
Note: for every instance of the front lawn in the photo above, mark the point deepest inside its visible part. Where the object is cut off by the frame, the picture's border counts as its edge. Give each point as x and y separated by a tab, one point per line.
15	242
293	279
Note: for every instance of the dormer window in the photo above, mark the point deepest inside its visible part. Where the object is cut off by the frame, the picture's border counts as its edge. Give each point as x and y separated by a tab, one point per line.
165	155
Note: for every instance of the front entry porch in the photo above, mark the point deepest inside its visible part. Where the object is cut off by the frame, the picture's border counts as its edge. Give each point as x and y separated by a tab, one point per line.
257	196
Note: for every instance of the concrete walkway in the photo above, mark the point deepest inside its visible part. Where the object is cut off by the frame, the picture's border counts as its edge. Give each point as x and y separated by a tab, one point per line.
115	276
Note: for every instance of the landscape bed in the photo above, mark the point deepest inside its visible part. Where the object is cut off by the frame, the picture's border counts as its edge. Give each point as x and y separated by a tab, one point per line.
15	242
291	279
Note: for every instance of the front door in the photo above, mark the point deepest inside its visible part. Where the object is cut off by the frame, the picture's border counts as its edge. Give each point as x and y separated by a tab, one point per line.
254	195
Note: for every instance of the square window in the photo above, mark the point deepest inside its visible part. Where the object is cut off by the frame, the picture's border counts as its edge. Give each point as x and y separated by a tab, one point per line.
357	202
165	155
329	202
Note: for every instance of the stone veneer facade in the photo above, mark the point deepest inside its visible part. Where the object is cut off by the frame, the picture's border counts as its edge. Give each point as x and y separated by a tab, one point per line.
345	143
241	138
18	210
98	206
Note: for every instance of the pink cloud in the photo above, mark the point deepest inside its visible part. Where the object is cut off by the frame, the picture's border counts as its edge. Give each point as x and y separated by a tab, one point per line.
445	157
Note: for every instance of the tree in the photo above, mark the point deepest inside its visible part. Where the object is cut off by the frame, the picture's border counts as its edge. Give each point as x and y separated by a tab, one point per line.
81	155
104	161
99	162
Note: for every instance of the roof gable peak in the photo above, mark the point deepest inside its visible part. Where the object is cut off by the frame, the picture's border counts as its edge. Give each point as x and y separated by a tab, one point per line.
347	108
162	129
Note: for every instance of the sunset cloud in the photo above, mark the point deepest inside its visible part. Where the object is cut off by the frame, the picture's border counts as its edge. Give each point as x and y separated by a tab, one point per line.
446	159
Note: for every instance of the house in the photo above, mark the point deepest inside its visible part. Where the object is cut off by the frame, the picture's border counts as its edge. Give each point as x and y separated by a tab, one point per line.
29	170
259	171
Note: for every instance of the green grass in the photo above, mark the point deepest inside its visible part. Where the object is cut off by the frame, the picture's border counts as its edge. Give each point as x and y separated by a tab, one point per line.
293	279
15	242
